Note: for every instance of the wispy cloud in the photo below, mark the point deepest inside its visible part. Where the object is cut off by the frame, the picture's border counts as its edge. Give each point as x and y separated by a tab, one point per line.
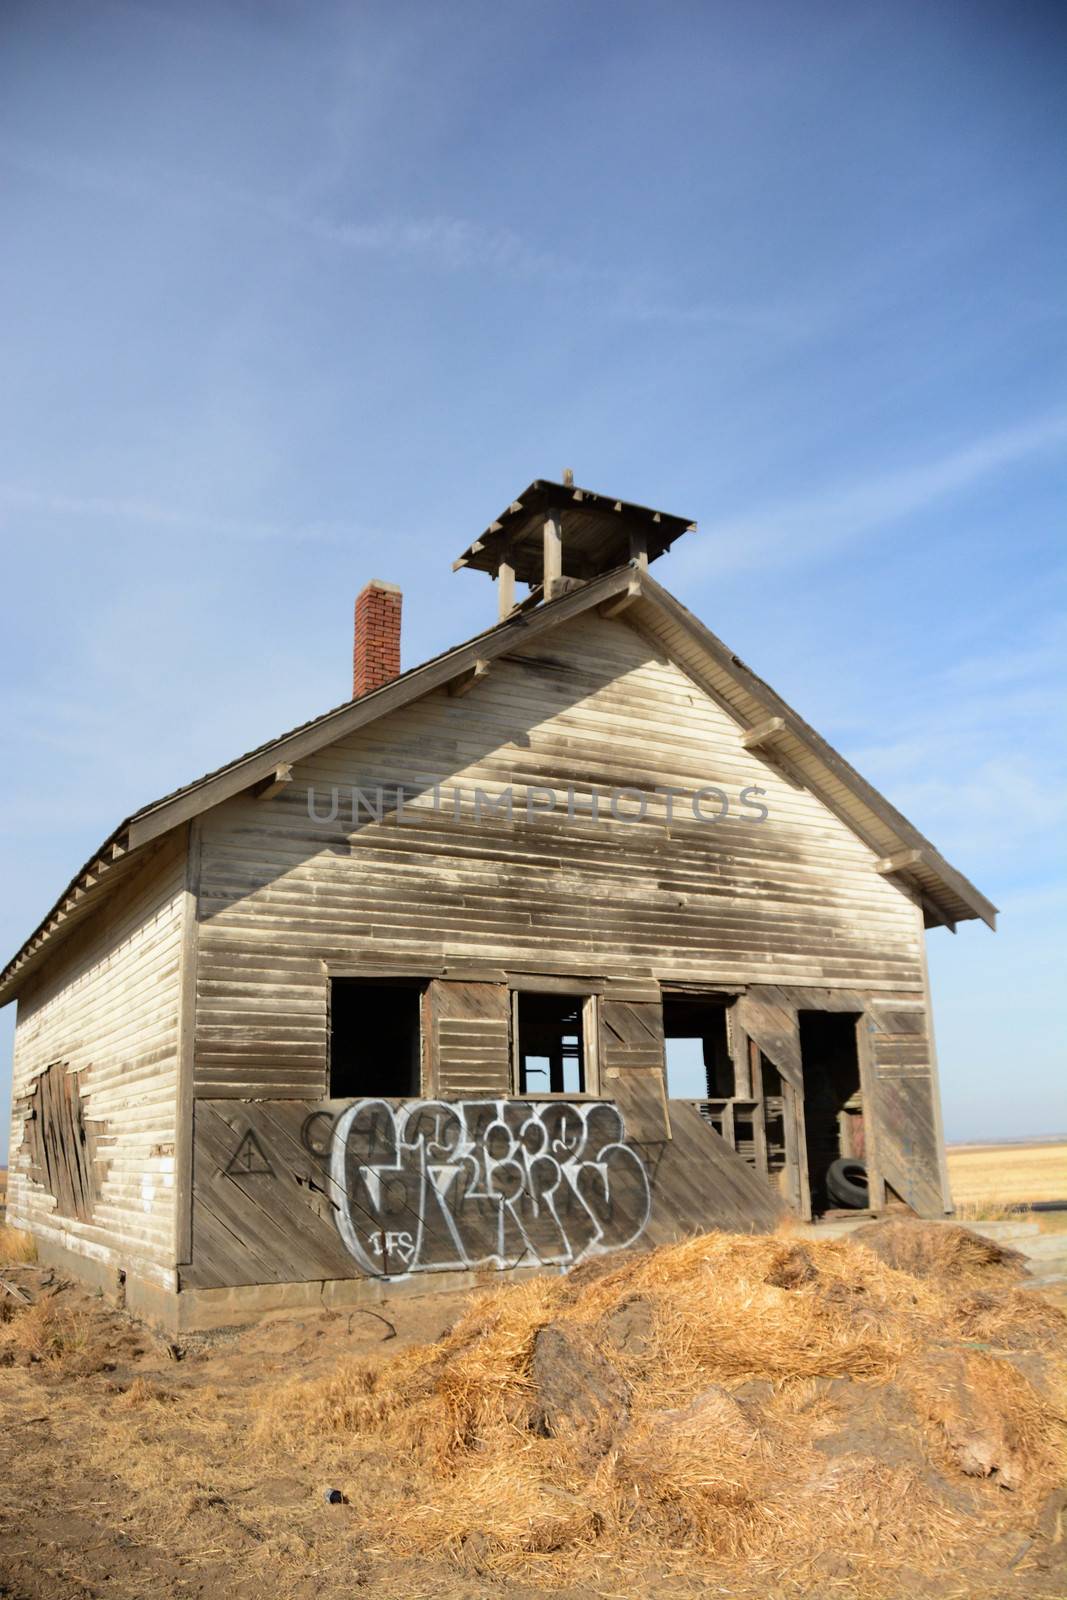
440	241
148	513
978	759
794	530
447	241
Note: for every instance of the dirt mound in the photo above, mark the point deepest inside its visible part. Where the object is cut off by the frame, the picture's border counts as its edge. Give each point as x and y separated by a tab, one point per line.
809	1409
579	1390
940	1250
751	1416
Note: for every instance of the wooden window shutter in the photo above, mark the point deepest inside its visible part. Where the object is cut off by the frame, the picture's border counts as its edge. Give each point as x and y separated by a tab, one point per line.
470	1039
633	1066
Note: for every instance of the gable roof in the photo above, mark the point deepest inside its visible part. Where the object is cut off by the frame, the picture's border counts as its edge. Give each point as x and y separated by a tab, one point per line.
948	897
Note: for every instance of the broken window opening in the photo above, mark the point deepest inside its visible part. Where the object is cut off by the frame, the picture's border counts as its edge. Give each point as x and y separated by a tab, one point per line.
552	1034
699	1066
773	1116
376	1038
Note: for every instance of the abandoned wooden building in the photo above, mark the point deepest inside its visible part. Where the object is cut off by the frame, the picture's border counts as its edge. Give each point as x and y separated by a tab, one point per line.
414	988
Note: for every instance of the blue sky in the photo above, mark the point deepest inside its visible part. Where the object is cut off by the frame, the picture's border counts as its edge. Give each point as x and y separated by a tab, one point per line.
295	296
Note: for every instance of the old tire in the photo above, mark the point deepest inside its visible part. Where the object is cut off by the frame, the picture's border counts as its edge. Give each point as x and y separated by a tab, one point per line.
846	1182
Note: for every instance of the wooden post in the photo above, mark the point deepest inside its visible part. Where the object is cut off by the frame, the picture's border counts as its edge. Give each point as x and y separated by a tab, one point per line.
505	590
740	1055
759	1118
796	1150
553	568
728	1124
639	547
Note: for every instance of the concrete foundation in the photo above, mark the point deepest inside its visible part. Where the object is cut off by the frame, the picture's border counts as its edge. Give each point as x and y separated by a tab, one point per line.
210	1310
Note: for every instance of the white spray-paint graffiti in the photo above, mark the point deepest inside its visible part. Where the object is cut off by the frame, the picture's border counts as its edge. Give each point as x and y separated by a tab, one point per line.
433	1184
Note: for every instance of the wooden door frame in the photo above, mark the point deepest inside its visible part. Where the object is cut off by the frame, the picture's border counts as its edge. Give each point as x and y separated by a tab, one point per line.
858	1005
871	1110
796	1149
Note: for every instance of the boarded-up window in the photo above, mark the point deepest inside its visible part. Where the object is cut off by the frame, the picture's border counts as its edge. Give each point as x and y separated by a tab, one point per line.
470	1025
632	1066
61	1143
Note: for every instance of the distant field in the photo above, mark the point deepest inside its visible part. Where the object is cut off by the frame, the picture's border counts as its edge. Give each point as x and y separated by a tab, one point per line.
1008	1174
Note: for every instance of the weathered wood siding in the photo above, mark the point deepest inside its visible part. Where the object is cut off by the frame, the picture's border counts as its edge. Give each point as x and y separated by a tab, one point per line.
793	899
906	1115
106	1008
288	1191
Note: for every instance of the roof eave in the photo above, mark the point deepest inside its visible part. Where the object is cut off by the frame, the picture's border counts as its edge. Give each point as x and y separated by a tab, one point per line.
159	818
970	902
948	899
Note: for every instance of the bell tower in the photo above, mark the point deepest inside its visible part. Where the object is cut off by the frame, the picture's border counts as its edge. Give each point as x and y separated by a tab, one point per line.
556	536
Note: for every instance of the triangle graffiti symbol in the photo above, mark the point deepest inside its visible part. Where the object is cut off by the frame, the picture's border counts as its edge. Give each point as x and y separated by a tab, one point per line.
249	1159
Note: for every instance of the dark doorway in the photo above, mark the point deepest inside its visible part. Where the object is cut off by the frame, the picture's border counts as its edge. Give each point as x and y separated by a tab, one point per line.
697	1050
375	1038
551	1044
833	1112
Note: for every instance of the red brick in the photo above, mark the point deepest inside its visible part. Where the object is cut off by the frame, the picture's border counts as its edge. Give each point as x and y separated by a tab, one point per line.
376	650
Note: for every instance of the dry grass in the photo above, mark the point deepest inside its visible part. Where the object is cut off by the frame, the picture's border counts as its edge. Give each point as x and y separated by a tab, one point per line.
733	1389
957	1255
800	1417
16	1247
1003	1176
991	1211
47	1332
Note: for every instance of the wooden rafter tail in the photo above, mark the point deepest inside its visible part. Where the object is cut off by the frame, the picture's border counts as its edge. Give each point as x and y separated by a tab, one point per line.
904	863
899	861
764	733
622	602
461	686
939	916
275	782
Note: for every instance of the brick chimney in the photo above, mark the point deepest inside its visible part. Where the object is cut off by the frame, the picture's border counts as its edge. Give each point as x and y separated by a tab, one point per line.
376	652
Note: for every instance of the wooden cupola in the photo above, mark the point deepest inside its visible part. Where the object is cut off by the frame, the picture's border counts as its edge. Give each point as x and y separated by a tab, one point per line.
556	536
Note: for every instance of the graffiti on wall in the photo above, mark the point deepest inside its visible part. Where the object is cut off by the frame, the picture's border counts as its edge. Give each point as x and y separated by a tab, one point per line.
431	1185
